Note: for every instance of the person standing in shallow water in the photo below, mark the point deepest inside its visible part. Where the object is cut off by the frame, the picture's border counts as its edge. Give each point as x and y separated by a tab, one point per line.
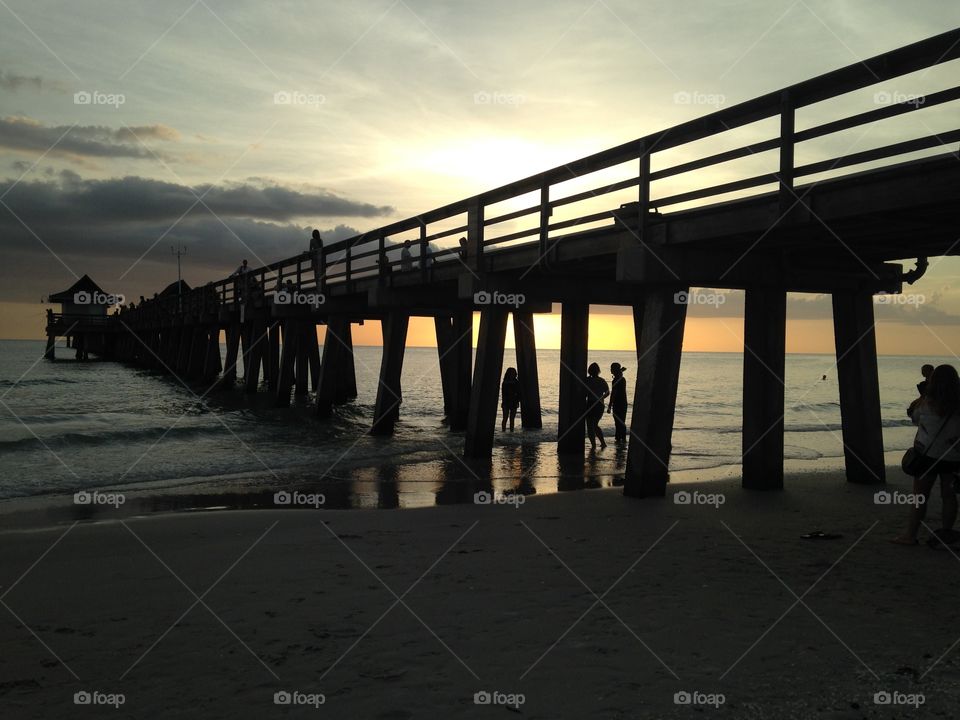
597	391
510	397
618	402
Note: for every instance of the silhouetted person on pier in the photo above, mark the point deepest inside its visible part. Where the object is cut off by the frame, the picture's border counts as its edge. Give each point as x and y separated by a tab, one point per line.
317	259
618	402
510	397
597	392
406	257
463	249
937	417
240	284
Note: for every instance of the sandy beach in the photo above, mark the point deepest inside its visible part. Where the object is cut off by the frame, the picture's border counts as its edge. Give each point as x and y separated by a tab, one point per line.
579	604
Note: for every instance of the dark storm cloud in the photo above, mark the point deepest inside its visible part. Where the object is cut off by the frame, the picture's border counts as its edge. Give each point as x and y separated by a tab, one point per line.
97	203
121	230
27	135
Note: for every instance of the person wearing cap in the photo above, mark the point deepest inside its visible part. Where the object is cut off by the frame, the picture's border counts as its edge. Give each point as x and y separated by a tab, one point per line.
618	402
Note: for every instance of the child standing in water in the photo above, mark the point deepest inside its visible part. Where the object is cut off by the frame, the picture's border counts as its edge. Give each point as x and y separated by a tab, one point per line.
510	397
597	391
618	402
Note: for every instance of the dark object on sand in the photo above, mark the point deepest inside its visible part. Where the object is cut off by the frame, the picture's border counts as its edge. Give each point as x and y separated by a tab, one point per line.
820	535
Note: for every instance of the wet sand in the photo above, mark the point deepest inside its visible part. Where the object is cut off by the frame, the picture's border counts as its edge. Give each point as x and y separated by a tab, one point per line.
587	604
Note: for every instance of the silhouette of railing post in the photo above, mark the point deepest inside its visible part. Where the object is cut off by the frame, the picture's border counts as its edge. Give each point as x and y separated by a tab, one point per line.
475	234
571	416
643	193
544	234
856	342
655	394
424	248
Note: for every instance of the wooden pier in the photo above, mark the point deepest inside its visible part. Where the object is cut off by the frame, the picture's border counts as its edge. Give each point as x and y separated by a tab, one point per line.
769	234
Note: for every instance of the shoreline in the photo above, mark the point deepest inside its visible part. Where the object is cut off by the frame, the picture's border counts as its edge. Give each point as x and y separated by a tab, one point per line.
252	491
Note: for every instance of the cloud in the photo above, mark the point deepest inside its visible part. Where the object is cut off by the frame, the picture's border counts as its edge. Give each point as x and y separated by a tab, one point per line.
96	203
13	82
28	135
107	227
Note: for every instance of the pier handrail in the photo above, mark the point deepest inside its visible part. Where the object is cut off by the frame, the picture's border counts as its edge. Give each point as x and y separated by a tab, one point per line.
368	254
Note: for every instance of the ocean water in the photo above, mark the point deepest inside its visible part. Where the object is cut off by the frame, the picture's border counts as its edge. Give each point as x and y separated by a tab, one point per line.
67	426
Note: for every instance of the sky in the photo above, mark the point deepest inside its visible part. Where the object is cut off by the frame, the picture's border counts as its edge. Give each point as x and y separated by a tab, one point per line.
233	128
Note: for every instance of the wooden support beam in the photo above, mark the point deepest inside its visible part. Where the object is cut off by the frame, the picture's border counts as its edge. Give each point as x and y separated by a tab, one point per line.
211	361
524	338
571	423
233	348
655	392
273	356
485	395
302	379
50	352
443	325
335	353
253	360
198	352
346	388
183	349
764	340
291	338
389	394
856	342
462	363
313	354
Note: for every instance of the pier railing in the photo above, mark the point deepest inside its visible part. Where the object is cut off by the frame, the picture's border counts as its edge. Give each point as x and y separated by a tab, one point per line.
489	222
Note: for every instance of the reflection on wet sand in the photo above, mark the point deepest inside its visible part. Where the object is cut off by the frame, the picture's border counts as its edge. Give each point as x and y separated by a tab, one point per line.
515	469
